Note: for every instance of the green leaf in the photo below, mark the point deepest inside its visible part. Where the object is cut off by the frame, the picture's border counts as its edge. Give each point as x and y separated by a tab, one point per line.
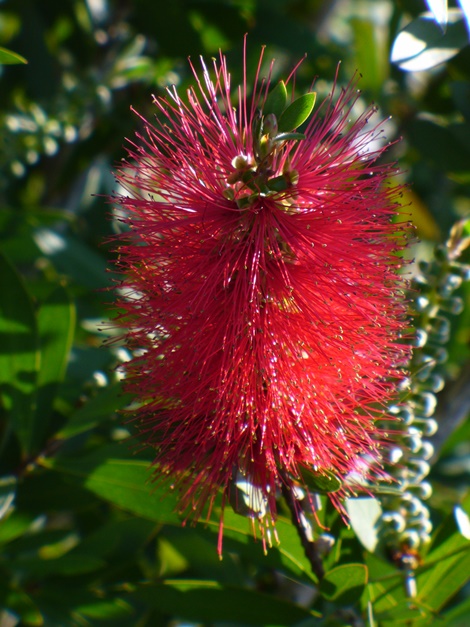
112	474
105	609
282	137
74	258
371	53
363	514
8	57
7	494
322	483
447	565
445	147
184	548
17	524
48	491
56	325
276	101
66	565
422	44
403	612
21	604
439	9
19	354
460	91
118	539
297	113
278	184
459	613
208	601
344	584
97	409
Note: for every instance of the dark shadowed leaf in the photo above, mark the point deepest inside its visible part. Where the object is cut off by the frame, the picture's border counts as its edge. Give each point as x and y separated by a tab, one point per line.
344	584
322	483
208	601
67	565
106	609
97	409
19	354
113	475
20	604
56	325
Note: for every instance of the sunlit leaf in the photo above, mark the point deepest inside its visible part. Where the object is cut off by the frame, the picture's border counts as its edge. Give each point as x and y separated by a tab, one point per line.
297	113
276	101
439	9
422	44
7	494
447	565
364	514
463	521
371	53
8	57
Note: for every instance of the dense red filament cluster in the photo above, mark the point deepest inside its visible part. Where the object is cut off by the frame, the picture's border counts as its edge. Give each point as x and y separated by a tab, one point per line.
268	334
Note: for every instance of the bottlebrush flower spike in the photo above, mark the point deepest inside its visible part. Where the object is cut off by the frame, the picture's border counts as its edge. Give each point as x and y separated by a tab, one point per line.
260	285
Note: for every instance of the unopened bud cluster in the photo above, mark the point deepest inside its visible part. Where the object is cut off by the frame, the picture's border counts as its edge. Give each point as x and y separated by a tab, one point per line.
406	524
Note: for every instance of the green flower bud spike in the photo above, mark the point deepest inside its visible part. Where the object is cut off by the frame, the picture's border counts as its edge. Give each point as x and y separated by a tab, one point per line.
405	524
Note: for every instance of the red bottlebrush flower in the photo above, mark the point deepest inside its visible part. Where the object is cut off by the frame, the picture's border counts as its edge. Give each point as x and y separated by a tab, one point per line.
260	280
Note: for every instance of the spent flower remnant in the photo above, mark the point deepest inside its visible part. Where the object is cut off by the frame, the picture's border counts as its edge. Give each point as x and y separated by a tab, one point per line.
260	285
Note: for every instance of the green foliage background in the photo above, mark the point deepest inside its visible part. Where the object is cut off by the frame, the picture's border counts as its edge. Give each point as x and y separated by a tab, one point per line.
84	540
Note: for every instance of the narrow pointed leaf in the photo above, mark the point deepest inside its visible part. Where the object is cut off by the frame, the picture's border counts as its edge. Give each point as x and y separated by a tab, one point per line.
322	483
439	9
8	57
276	101
19	354
56	324
7	494
282	137
297	113
98	409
